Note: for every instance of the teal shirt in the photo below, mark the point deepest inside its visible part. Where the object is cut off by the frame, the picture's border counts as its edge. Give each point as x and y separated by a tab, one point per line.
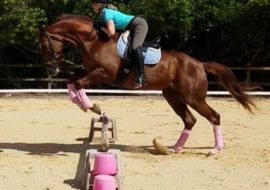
121	20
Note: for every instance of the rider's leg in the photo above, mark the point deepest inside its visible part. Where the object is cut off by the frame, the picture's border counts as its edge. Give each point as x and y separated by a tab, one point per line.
139	65
139	29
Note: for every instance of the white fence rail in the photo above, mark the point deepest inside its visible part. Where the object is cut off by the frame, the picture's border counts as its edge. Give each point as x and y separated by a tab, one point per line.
115	92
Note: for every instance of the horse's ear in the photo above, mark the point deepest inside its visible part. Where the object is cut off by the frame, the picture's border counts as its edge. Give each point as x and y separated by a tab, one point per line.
41	27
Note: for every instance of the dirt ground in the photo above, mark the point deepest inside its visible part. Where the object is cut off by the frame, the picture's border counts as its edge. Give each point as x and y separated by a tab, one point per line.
43	143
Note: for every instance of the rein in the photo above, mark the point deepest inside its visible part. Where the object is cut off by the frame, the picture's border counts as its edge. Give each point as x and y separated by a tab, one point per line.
52	52
59	59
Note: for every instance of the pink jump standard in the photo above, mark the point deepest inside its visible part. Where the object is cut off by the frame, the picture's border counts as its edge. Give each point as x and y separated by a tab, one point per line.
90	167
104	182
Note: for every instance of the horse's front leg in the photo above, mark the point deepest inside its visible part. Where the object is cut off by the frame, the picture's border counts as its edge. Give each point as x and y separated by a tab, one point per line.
76	84
97	76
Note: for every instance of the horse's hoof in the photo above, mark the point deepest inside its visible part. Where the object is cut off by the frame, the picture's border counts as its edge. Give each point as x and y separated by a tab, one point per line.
160	149
214	152
96	109
175	150
103	148
172	151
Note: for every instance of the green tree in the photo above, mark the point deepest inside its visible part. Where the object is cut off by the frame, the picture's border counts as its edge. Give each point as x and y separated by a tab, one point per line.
172	19
230	31
255	22
18	20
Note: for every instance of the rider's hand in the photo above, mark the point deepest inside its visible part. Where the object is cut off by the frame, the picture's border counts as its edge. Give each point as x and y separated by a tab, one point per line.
97	25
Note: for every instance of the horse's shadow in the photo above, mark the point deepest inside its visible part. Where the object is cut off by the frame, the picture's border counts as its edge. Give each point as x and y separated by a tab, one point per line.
47	149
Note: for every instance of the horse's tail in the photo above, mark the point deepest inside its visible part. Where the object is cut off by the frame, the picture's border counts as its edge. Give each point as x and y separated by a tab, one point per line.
230	83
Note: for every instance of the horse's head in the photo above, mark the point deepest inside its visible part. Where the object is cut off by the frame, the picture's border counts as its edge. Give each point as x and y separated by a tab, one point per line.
70	29
51	51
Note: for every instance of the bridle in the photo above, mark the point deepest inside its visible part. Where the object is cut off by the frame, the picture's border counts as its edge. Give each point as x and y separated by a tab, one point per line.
56	59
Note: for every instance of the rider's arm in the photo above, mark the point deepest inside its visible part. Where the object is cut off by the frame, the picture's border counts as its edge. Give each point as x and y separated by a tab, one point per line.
109	29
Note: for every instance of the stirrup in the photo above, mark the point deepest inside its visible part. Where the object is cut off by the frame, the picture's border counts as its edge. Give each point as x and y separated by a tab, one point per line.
138	85
140	82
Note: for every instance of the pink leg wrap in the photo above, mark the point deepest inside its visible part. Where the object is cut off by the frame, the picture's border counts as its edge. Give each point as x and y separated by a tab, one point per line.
86	103
218	138
73	94
182	140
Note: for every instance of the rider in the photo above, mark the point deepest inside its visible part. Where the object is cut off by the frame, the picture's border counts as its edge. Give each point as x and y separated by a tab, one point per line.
116	20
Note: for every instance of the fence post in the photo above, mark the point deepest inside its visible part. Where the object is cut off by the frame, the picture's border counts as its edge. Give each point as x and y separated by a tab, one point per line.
50	82
248	73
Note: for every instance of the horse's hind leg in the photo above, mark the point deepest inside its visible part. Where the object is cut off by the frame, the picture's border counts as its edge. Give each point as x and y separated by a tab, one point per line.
181	109
214	118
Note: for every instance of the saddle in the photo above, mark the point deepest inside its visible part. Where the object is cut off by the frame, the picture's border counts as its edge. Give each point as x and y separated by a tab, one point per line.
150	48
151	53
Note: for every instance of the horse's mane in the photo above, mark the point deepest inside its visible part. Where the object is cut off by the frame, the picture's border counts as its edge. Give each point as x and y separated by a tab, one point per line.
73	16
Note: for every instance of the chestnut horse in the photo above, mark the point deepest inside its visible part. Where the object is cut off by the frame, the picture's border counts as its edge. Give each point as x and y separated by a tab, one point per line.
182	79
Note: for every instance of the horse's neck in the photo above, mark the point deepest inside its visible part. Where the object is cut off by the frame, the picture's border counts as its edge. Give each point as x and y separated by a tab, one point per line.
75	29
96	51
105	48
104	54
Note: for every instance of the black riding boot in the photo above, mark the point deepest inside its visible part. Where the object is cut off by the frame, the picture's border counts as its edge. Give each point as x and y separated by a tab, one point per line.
139	65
